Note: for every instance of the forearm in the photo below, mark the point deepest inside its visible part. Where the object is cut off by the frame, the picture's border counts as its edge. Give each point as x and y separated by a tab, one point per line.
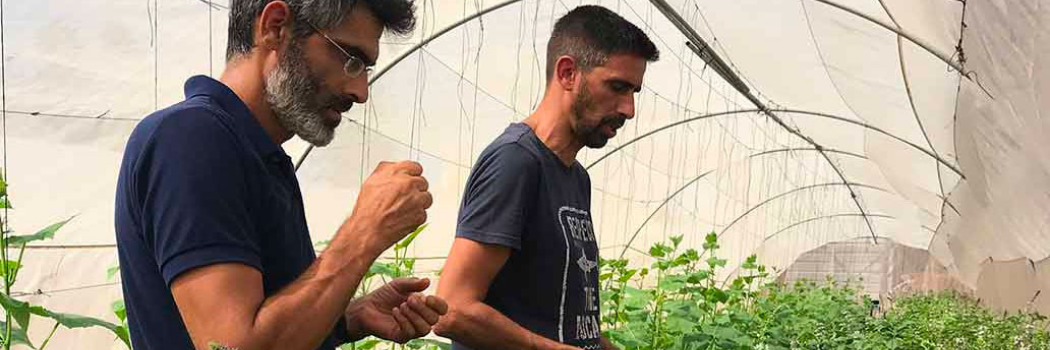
479	326
306	311
303	314
607	345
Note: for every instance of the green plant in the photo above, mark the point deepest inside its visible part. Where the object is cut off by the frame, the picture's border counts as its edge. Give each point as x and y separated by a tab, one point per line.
18	313
217	346
809	315
401	266
118	308
683	307
952	321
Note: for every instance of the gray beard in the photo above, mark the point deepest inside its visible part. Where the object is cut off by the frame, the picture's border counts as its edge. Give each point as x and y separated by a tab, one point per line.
292	92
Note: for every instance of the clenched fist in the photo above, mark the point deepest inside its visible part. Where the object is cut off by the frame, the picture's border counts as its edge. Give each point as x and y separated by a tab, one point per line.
392	203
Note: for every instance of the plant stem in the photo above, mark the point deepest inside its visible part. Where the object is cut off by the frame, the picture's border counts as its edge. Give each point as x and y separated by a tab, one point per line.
7	282
49	335
13	274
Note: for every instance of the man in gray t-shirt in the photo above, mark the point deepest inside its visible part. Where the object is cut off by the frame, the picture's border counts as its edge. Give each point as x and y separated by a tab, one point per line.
523	270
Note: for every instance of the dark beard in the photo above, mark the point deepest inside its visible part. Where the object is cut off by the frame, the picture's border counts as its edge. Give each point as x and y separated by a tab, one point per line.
591	135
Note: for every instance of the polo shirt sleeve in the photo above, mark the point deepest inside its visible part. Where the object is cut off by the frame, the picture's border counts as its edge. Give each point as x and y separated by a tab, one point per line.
500	193
191	183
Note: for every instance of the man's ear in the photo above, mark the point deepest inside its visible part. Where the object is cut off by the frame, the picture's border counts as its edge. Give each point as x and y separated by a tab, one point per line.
566	72
273	26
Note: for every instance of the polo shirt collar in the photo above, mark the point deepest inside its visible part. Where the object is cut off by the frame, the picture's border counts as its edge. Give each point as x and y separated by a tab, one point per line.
241	115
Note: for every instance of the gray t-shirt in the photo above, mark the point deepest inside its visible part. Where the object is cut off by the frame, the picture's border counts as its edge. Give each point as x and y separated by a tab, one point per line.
520	195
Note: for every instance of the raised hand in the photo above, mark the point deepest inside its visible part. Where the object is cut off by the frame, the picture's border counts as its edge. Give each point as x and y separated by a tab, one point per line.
392	203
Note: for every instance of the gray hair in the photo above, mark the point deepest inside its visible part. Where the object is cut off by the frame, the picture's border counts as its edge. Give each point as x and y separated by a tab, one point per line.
396	16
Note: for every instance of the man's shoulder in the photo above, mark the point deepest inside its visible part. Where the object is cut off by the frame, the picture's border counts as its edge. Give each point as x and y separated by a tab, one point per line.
196	121
189	132
199	113
513	147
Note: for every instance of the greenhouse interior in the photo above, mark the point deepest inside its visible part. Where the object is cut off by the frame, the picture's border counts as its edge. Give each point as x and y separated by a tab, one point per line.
799	174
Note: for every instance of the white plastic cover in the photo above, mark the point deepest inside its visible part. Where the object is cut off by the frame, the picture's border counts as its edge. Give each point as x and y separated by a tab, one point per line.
697	158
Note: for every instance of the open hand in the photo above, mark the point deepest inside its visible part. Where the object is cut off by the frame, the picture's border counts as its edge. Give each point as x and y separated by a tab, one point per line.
397	311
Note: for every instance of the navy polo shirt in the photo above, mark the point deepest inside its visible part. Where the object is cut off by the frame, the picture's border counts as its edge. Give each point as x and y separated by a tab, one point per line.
202	183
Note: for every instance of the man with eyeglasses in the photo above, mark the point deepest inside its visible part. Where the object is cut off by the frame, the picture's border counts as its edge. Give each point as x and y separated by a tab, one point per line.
210	224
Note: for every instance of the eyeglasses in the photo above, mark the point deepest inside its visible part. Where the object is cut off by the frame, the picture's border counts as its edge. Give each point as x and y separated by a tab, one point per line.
355	66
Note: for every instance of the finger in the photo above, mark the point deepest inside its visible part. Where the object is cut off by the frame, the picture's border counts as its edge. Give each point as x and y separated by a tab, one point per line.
421	218
419	324
425	199
417	214
382	165
409	285
418	304
404	324
420	183
437	304
409	167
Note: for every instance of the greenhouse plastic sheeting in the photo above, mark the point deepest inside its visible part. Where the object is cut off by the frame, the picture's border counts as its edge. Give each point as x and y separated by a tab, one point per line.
912	151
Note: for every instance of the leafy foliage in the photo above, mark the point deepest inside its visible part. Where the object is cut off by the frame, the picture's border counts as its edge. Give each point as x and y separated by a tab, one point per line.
18	313
951	321
685	308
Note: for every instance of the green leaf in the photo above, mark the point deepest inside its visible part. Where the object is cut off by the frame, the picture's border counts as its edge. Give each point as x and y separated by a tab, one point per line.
750	263
409	263
711	241
659	250
429	344
676	240
716	295
123	334
411	237
19	310
218	346
672	283
364	344
119	310
636	298
626	276
71	320
11	266
18	335
5	203
691	255
111	272
383	269
46	233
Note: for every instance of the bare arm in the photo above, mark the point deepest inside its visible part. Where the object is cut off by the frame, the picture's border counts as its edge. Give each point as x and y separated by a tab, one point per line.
465	280
608	345
225	303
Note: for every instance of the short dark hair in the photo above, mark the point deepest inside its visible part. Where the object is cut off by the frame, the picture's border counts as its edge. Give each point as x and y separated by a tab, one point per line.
590	34
396	16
